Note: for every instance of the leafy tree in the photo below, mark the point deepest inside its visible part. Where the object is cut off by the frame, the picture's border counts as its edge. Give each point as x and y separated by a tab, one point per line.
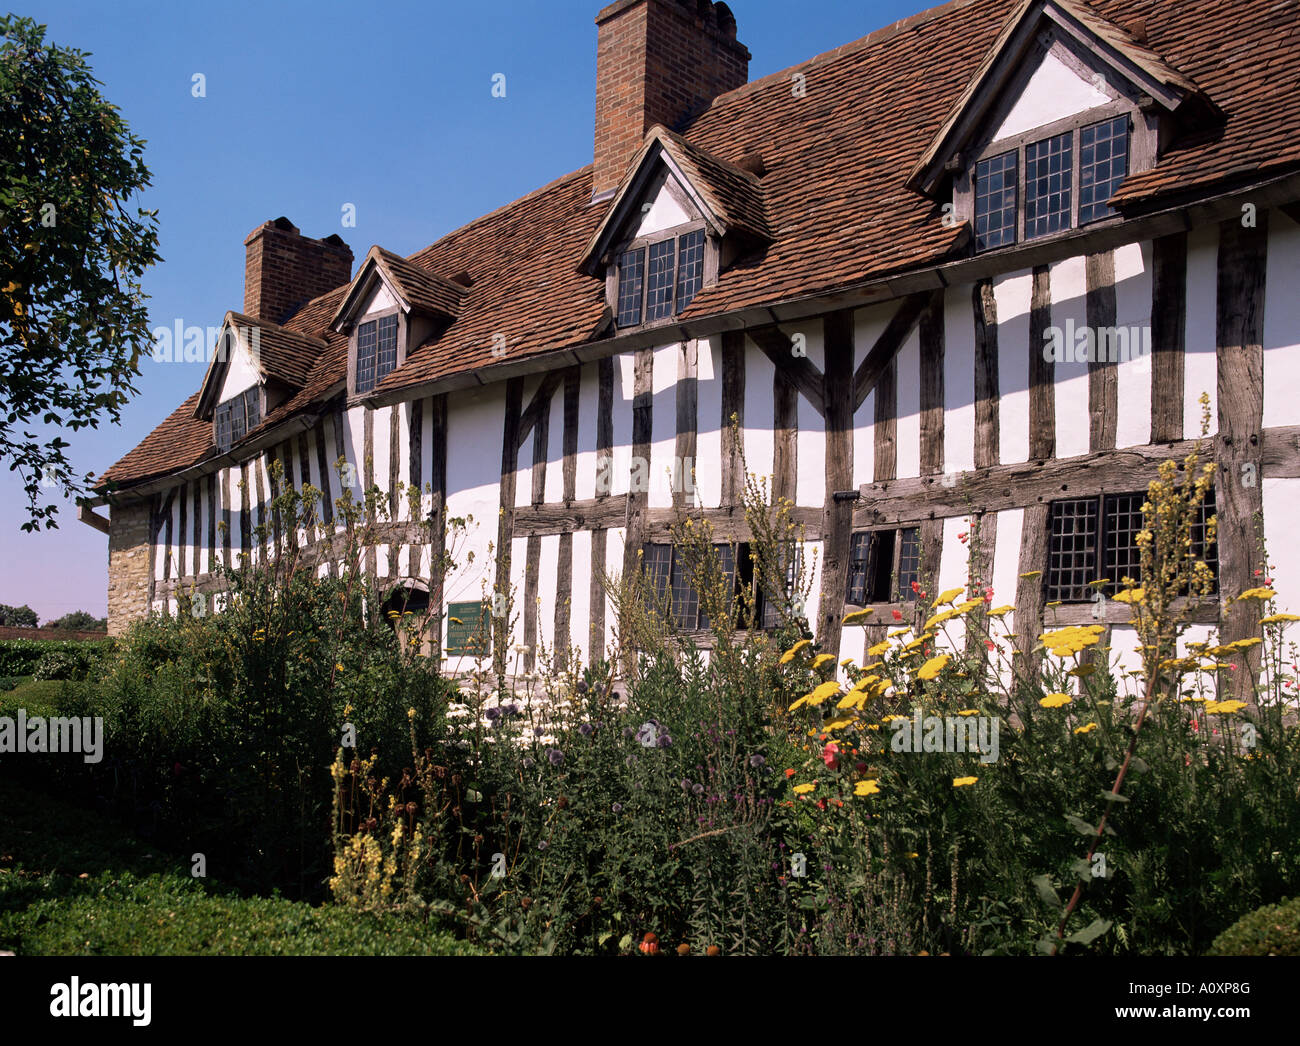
73	322
23	616
79	621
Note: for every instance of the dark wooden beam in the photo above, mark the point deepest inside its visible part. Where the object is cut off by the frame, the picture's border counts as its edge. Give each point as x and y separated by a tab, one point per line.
505	523
1168	337
988	432
1042	369
733	407
800	371
837	515
932	388
687	422
1103	374
882	353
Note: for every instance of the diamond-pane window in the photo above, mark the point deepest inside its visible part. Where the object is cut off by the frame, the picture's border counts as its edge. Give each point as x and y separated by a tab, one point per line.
659	280
690	267
1103	164
366	343
222	421
1047	185
631	277
386	352
995	201
252	409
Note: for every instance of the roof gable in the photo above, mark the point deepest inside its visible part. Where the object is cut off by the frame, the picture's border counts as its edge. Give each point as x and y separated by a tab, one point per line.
415	289
728	197
276	352
1109	47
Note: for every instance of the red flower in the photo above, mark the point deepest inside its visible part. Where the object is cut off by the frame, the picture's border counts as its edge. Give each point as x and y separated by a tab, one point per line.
916	587
830	755
860	767
821	804
650	944
990	644
898	615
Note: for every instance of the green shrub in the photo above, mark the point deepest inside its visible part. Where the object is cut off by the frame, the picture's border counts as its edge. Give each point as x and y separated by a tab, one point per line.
1271	930
122	914
75	661
19	657
9	682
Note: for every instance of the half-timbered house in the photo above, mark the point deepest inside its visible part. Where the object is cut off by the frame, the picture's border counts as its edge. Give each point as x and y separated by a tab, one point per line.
969	274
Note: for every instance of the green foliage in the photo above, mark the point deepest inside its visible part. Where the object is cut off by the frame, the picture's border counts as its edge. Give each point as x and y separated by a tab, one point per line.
20	617
70	661
79	621
19	657
73	249
1271	930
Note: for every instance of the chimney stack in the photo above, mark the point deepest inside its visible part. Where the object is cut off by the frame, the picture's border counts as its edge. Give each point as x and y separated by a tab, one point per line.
658	61
284	269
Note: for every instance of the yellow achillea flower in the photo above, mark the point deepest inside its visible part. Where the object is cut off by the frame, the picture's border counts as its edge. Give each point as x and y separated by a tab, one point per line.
1001	611
853	699
826	690
891	718
338	668
1086	729
866	788
941	617
858	617
822	659
879	650
1131	596
933	667
963	782
838	722
1083	671
1072	639
947	597
899	632
793	652
969	711
847	663
1244	644
1224	707
1258	593
1056	700
919	641
455	621
803	789
1276	619
968	606
1032	574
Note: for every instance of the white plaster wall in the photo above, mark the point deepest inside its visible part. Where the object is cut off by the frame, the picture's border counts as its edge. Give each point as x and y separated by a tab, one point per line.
474	421
1281	510
1282	323
668	362
580	597
664	212
1069	302
378	301
868	325
1054	92
708	443
760	373
1201	370
959	380
1012	294
554	487
810	473
588	416
1133	312
548	574
624	400
908	427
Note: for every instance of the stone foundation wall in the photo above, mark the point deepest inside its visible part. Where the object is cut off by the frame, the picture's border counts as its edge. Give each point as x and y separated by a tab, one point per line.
128	565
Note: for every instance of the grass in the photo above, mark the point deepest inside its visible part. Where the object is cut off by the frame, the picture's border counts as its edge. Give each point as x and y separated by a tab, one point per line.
38	696
70	884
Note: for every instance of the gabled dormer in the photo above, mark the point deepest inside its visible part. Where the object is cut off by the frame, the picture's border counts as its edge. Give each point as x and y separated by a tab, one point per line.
678	218
1061	110
256	366
391	308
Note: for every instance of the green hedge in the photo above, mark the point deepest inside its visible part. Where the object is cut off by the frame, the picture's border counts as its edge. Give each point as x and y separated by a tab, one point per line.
1271	930
168	915
19	657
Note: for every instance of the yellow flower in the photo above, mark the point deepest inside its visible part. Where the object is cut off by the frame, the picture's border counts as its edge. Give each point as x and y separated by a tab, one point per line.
847	663
866	788
1258	593
338	668
858	617
410	714
790	654
1086	729
913	854
1274	619
826	690
941	617
1131	596
899	632
838	722
1001	611
933	667
1245	644
1032	574
1083	671
1224	707
853	699
803	789
963	782
891	718
1055	700
947	597
822	659
969	711
879	650
1072	639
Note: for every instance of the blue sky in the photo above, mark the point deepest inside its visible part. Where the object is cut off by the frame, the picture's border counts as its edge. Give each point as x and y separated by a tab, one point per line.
310	106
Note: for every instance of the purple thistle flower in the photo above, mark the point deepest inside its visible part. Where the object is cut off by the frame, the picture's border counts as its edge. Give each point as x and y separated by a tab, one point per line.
757	761
617	808
555	756
585	730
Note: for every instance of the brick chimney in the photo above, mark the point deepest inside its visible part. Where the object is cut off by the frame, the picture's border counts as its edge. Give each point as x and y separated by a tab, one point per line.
658	61
283	269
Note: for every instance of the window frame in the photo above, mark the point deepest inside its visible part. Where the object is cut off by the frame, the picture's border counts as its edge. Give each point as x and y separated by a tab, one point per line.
899	593
1104	552
355	394
745	581
226	409
614	277
1141	154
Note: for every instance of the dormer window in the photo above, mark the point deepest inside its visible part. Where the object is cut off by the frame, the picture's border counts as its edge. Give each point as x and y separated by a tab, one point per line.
1052	167
657	278
234	418
376	351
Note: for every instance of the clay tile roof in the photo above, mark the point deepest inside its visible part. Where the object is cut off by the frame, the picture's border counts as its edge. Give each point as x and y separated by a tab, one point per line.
285	354
833	193
422	289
